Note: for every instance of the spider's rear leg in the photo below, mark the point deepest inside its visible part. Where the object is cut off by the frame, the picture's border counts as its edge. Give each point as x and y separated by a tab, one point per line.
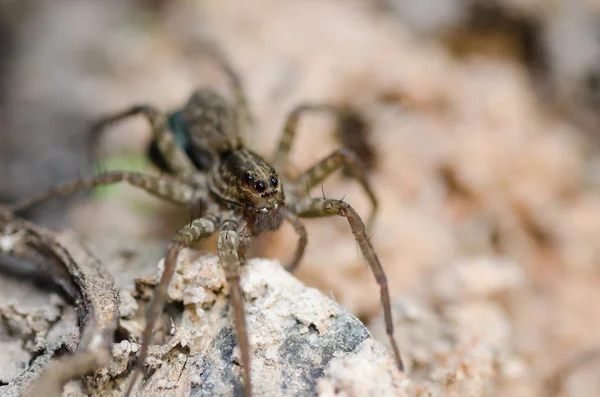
173	155
320	208
351	132
336	160
242	108
229	248
188	236
282	153
244	120
163	187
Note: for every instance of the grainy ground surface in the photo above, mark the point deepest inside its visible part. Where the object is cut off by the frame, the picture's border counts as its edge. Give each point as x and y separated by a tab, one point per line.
489	228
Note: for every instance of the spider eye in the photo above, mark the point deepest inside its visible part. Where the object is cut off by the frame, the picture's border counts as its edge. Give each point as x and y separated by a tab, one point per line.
273	181
272	170
249	178
260	186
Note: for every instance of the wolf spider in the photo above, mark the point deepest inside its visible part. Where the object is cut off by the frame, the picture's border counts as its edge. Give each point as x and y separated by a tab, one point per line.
241	194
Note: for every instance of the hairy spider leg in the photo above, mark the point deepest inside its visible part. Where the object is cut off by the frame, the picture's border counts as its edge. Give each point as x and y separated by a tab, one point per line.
188	236
165	188
302	240
321	208
174	155
53	380
241	106
341	157
284	146
229	247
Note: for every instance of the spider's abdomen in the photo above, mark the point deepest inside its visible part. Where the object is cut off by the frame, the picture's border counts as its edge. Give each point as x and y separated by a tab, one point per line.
212	124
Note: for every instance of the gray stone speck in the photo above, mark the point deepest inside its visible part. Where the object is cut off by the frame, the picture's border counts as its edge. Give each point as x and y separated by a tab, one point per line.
220	366
304	356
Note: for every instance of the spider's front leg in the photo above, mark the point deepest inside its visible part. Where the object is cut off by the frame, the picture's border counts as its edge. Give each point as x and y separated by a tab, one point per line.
320	208
228	245
302	241
342	157
315	175
174	156
188	236
163	187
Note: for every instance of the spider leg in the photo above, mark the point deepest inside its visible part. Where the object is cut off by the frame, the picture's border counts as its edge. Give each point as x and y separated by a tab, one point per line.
281	155
242	108
302	241
336	160
320	208
188	236
228	247
165	188
173	154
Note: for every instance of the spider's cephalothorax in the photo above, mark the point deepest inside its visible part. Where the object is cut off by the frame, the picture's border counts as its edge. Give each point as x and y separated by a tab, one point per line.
201	149
237	177
245	180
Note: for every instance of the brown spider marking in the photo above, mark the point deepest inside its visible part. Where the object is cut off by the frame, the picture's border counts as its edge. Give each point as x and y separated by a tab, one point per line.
201	149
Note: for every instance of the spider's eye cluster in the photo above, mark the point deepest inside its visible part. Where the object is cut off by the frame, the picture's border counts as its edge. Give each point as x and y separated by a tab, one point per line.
260	186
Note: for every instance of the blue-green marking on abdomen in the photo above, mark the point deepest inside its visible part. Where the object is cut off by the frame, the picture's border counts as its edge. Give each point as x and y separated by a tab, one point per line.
178	125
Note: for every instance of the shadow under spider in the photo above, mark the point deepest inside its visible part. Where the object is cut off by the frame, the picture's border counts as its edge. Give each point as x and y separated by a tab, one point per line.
207	164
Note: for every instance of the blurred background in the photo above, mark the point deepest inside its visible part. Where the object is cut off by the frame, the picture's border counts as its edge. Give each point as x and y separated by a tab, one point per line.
484	127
